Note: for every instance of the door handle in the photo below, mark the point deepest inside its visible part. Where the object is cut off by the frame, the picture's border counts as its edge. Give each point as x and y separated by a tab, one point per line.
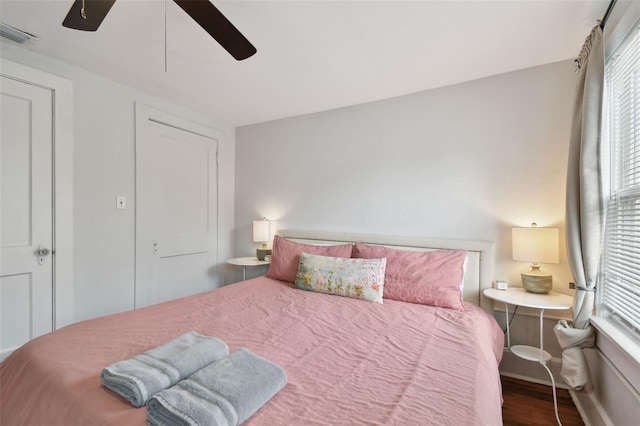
42	253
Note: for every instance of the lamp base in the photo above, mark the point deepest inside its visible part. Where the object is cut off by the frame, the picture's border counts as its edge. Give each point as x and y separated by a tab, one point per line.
262	252
537	281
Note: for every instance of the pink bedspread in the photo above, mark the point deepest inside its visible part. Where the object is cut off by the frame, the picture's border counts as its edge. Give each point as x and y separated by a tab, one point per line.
347	361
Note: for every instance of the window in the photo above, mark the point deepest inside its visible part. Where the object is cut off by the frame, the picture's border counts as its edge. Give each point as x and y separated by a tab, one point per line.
619	286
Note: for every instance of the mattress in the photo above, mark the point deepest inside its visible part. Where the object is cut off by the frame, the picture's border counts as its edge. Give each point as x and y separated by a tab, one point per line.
347	361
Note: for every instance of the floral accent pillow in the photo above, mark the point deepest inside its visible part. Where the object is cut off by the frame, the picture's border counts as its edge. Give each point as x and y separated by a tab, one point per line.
355	278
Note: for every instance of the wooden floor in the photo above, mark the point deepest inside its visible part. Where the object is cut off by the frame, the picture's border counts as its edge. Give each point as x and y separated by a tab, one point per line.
531	404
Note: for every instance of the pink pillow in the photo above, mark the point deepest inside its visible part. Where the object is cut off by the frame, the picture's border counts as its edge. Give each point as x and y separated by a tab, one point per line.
286	255
428	278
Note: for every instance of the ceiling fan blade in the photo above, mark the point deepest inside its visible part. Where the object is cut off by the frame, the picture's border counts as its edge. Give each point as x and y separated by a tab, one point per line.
219	27
95	11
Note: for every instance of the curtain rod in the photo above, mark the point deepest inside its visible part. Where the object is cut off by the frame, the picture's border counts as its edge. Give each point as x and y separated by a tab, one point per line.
607	13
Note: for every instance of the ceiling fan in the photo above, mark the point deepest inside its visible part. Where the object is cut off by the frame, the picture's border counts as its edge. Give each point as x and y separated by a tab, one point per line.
87	15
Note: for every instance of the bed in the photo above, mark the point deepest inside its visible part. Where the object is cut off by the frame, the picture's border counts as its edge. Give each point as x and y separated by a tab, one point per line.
348	361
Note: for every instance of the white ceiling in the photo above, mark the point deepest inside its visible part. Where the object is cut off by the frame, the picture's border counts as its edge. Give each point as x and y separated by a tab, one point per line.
312	55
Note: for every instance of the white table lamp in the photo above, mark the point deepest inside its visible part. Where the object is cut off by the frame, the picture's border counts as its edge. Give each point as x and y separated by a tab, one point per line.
536	245
263	232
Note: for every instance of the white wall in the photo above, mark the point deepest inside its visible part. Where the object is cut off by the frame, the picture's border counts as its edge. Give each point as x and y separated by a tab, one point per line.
104	167
468	161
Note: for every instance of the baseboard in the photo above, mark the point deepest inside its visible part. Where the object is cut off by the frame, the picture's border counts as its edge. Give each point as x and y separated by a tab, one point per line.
590	409
614	400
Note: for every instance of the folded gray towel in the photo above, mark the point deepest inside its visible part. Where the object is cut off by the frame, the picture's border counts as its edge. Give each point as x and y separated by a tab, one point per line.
226	392
138	378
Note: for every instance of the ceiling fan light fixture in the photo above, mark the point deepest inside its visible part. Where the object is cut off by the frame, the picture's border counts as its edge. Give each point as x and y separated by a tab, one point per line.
14	34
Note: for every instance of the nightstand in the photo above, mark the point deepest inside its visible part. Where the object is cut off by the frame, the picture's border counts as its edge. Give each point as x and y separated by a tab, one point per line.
247	261
520	297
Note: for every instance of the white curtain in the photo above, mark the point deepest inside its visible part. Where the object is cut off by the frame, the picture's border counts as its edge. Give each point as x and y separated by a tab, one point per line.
584	211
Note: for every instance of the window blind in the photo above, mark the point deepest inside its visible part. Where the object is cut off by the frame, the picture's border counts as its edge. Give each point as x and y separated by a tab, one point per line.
619	286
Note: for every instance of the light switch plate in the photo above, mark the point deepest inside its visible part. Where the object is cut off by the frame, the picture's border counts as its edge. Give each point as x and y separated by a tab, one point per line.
121	203
501	285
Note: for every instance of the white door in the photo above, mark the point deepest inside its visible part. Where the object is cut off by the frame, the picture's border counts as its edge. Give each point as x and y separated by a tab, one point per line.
176	208
26	290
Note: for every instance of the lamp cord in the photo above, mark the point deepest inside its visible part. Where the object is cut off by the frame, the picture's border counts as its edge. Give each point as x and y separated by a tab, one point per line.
512	317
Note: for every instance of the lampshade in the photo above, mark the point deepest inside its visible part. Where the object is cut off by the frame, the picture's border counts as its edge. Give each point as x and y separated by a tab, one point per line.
263	230
536	245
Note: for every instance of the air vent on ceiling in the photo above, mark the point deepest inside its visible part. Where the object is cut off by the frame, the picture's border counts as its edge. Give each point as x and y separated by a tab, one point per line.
14	34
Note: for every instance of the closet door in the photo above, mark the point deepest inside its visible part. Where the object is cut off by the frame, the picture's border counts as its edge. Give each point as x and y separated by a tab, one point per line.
176	207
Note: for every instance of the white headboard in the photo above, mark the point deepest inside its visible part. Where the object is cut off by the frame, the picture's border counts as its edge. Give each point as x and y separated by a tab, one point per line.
478	275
